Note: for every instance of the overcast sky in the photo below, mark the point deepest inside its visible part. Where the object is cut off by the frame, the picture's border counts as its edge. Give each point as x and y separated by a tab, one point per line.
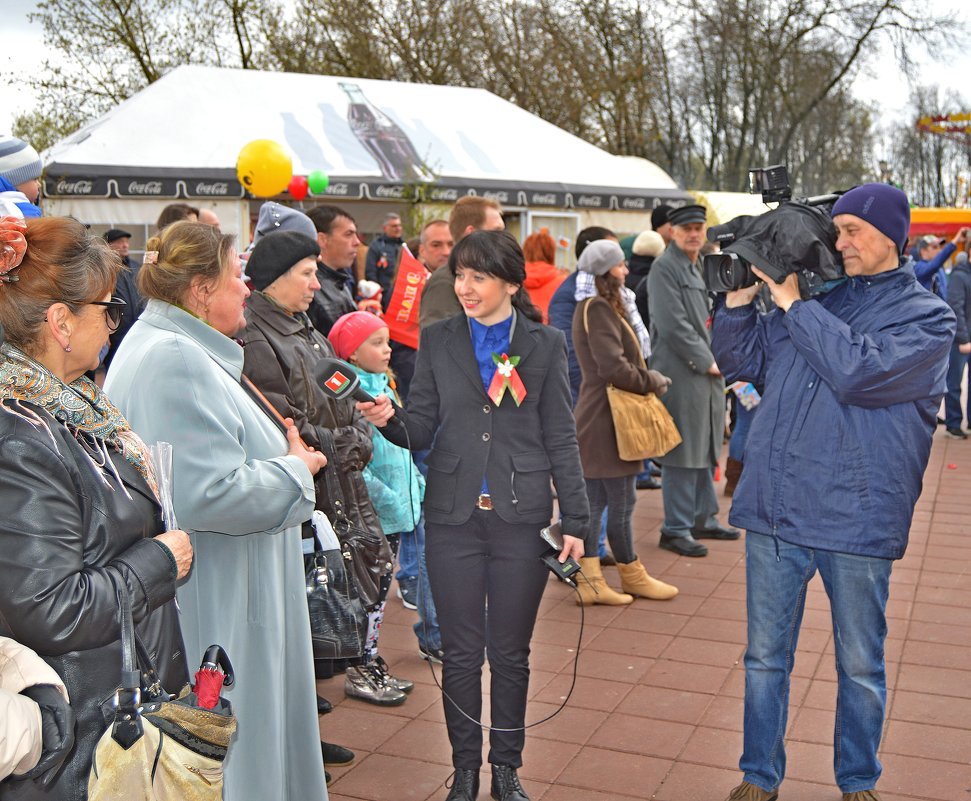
23	52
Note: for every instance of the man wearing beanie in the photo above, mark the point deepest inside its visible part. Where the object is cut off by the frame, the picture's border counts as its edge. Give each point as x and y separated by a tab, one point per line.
20	171
833	467
679	308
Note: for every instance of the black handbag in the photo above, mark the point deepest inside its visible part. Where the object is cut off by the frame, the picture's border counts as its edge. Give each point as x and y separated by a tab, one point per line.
368	553
338	620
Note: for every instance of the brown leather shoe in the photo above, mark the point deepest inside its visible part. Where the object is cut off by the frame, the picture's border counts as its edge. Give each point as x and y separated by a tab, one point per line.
749	792
862	795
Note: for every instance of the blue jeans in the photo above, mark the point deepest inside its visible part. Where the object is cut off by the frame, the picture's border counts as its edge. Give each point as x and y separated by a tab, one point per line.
952	400
858	586
736	445
426	629
408	557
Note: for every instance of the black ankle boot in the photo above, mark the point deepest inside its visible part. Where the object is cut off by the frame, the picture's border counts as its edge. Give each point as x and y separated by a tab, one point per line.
465	785
505	784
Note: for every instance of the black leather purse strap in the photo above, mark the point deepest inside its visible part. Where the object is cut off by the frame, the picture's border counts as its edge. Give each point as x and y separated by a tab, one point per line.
334	493
127	727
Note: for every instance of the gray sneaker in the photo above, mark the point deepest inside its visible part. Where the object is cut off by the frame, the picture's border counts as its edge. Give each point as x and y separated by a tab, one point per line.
379	668
363	683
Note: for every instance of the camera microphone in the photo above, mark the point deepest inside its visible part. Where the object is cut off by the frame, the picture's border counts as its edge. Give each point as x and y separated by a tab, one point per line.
339	380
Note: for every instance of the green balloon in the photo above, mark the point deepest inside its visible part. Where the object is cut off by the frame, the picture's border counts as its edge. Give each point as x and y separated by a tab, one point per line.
318	182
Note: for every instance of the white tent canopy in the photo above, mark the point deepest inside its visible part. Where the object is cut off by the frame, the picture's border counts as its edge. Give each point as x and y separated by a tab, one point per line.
180	137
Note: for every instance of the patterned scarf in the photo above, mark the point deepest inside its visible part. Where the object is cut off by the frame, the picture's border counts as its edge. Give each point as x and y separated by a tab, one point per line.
587	288
81	406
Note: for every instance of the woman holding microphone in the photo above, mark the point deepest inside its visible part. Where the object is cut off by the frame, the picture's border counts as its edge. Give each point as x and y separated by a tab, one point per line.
491	393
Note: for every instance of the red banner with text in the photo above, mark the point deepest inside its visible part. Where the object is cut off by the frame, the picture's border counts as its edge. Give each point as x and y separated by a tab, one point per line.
402	313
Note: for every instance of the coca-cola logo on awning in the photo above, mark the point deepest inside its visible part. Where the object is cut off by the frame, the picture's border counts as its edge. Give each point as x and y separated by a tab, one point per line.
390	191
544	199
74	187
218	188
444	194
499	197
145	188
634	203
340	189
595	201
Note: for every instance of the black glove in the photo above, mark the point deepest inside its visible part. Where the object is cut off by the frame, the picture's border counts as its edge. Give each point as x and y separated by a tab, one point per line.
57	730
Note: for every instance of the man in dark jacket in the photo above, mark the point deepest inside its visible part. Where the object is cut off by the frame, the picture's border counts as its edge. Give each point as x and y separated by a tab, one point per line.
383	253
338	240
833	467
959	299
126	288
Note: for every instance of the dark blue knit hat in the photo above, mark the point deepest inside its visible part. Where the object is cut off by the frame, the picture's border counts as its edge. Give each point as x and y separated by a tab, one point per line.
883	206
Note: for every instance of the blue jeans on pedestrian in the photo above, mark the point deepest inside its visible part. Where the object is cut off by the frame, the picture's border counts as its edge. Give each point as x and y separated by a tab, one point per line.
426	629
777	574
743	420
408	557
952	400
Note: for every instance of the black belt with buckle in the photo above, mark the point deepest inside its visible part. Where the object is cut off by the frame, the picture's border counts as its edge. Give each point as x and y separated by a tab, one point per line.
484	501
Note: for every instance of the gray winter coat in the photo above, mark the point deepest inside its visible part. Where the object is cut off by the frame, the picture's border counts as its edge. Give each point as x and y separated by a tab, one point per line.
681	349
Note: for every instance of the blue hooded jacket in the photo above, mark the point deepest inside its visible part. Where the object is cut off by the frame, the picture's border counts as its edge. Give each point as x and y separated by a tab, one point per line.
10	193
853	381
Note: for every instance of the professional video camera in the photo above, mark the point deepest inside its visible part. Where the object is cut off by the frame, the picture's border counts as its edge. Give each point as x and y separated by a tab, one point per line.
795	237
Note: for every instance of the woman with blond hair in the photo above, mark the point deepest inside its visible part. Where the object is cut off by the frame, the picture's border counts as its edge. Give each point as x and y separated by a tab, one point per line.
243	487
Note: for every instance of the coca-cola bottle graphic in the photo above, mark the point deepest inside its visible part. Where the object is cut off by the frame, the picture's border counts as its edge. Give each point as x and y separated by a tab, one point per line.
384	139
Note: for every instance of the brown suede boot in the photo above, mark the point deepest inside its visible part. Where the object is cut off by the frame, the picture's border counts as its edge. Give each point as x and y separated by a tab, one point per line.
634	579
733	471
749	792
593	586
861	795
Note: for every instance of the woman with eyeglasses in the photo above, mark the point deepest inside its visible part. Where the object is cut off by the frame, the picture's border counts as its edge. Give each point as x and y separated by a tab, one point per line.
80	508
243	488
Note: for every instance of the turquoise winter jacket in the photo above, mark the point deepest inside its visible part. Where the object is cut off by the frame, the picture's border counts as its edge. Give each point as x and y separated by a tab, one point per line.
393	482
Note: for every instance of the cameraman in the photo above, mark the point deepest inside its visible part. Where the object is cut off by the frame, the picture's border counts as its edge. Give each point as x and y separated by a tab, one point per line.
833	467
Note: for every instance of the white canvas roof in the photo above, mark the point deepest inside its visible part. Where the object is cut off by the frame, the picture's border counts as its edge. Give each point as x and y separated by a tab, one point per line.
180	137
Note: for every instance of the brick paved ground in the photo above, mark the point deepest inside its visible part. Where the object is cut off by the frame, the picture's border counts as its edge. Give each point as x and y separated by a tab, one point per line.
657	709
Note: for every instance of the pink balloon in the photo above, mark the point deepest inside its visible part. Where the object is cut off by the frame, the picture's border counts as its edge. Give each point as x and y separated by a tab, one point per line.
298	187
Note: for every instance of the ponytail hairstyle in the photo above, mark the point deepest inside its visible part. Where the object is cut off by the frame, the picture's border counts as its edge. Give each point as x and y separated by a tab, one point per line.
608	287
62	263
179	253
496	253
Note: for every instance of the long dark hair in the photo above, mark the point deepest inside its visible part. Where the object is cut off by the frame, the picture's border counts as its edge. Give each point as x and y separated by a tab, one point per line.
496	253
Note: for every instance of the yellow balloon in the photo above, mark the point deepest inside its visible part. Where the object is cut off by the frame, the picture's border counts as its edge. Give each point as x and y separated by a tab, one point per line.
264	168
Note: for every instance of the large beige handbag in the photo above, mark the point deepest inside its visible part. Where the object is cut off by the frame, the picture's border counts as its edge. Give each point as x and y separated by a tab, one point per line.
643	426
162	748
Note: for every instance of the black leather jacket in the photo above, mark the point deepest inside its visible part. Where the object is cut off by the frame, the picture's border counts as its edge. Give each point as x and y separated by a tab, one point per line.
334	299
66	525
279	353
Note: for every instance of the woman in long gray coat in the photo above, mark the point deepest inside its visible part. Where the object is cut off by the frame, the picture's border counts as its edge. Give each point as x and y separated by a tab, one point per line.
242	489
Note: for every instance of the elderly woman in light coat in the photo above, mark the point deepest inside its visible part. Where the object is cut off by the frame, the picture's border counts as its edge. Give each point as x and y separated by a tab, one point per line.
242	488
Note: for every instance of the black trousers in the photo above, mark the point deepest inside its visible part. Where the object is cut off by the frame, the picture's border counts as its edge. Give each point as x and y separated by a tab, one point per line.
485	562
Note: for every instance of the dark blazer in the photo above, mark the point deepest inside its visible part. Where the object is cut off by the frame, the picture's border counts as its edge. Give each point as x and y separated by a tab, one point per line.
517	448
64	530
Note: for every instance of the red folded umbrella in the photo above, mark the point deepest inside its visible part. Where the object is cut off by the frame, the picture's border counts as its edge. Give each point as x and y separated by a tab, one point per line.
211	678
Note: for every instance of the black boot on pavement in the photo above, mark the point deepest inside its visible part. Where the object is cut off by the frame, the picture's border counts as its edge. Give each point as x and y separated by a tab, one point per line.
505	784
465	785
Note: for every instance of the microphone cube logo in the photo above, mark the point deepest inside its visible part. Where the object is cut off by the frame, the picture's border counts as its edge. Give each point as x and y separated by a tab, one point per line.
337	382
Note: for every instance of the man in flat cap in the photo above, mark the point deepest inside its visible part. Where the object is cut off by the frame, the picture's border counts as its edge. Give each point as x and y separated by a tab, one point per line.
679	307
126	288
